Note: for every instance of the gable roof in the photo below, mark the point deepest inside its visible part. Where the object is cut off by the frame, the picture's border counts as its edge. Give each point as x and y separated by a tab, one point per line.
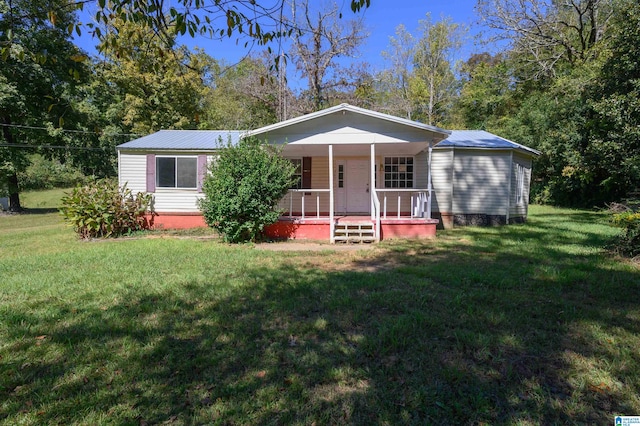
347	107
481	139
204	140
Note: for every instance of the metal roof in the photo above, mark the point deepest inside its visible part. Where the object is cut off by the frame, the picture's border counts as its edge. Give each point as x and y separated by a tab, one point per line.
482	139
195	140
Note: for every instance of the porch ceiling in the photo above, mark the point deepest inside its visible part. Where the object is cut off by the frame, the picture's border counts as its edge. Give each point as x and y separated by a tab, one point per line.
297	149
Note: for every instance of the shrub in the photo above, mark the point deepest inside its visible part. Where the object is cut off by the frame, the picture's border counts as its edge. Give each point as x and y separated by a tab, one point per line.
103	209
628	242
43	173
243	189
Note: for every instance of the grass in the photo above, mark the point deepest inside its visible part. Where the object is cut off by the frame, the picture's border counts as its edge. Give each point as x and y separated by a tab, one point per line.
518	325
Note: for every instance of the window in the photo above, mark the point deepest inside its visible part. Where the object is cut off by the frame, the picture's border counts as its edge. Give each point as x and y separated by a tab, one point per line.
340	175
177	172
519	184
398	172
297	162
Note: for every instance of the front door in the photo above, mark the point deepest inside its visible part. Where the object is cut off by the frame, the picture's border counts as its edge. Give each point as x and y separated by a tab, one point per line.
358	198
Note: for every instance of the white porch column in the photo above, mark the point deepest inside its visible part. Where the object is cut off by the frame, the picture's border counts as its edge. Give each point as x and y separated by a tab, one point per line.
372	184
331	198
429	179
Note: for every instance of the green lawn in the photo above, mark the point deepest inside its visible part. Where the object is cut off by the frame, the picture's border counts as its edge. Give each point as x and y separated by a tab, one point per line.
525	325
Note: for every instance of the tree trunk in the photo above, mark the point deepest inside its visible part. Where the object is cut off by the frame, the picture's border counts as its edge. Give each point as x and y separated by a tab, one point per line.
14	193
12	179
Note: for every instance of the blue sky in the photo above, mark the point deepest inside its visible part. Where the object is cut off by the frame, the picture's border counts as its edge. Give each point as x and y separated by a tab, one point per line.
380	19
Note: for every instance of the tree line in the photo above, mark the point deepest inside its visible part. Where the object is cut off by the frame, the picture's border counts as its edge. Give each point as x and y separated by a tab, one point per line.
565	82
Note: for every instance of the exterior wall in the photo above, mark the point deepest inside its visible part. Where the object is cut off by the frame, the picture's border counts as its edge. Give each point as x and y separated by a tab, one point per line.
480	182
442	184
133	171
518	212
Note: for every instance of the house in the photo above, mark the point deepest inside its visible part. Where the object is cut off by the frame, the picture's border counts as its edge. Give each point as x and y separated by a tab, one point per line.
363	175
479	178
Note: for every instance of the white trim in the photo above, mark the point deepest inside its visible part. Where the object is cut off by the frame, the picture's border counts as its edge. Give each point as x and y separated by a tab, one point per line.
519	184
429	187
332	225
509	188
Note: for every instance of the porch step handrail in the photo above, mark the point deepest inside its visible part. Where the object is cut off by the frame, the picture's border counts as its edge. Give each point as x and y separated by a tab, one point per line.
304	191
419	202
376	207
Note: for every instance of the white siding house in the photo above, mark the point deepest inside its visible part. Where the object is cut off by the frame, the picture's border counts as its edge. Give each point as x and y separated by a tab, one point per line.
351	161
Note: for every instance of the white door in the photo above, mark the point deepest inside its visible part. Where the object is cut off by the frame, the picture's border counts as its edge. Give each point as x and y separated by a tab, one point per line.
358	199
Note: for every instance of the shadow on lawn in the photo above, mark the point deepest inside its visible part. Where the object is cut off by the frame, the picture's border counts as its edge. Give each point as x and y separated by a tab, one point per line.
453	334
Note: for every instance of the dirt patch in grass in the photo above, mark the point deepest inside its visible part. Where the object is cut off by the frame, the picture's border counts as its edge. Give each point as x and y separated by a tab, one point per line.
312	246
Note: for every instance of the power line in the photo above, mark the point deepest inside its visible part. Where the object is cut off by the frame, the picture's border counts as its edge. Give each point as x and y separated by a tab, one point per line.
20	126
24	145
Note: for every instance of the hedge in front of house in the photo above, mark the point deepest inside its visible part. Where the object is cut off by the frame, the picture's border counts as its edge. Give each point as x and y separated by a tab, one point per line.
243	188
103	209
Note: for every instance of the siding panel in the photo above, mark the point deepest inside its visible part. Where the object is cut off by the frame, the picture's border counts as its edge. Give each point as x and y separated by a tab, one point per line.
133	172
441	180
480	182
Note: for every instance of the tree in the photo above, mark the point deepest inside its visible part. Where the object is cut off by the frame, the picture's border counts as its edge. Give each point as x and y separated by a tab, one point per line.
243	189
320	39
158	88
257	21
434	85
548	33
614	125
484	97
396	79
244	96
40	70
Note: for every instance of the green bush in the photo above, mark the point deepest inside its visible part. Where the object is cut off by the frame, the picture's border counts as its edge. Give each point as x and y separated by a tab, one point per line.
43	173
243	188
628	242
102	209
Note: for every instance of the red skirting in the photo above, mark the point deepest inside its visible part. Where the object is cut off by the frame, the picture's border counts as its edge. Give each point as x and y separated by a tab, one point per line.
304	229
176	220
416	229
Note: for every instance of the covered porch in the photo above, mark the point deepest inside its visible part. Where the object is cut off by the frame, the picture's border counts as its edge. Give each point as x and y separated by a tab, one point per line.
362	175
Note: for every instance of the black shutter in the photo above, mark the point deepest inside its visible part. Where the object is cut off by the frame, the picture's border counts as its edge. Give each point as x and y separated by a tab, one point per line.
306	172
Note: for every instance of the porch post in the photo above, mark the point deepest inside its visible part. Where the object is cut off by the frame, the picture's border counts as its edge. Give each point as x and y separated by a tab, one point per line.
429	179
372	184
331	221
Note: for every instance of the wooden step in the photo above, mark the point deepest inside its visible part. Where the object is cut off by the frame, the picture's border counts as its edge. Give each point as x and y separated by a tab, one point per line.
354	232
354	239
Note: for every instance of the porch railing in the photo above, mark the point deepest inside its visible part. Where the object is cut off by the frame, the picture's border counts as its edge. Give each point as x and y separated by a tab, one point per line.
309	202
393	197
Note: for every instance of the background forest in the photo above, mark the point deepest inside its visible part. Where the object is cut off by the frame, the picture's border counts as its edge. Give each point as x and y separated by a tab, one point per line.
565	80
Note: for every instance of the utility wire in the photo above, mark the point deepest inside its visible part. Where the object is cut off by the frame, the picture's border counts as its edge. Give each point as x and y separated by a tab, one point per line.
20	126
24	145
